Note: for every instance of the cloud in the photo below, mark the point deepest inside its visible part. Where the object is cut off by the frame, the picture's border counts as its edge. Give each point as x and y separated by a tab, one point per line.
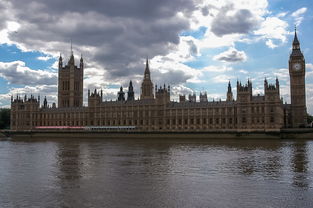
43	90
17	73
270	44
44	58
231	55
282	74
309	70
243	71
193	50
222	78
219	69
115	35
273	28
227	21
309	95
298	15
180	90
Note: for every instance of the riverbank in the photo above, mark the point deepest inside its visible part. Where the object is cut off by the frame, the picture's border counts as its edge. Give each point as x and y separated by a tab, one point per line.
224	134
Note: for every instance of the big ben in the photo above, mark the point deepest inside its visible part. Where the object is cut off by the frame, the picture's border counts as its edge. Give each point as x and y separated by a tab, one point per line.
297	85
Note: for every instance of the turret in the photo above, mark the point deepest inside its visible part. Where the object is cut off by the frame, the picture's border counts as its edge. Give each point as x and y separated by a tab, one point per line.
277	84
121	95
203	97
244	92
146	86
147	70
192	98
60	62
94	98
45	103
162	95
229	96
130	93
70	83
81	65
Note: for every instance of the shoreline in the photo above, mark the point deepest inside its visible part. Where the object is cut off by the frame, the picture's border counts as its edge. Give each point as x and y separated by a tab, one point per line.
306	133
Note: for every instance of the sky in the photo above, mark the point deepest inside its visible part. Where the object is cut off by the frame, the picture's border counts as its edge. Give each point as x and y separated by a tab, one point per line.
192	45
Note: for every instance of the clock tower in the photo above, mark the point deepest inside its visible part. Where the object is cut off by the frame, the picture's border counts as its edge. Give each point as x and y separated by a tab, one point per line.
297	85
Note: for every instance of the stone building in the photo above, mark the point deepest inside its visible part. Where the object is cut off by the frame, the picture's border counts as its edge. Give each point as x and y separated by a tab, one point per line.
154	111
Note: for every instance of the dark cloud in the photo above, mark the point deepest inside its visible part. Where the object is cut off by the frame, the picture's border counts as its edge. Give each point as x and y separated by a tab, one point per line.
4	14
114	34
173	77
241	22
205	11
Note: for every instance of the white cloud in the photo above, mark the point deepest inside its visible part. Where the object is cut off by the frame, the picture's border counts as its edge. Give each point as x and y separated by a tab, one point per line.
309	96
270	44
231	55
309	69
44	58
243	71
43	90
273	28
180	90
298	15
220	69
222	78
17	73
282	74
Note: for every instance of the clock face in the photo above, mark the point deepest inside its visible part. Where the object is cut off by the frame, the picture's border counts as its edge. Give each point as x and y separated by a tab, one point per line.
297	66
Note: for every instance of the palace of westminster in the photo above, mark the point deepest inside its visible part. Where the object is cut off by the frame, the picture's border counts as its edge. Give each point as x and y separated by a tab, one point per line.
155	111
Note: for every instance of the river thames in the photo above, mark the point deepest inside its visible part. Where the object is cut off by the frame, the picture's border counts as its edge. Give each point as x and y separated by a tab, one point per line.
156	173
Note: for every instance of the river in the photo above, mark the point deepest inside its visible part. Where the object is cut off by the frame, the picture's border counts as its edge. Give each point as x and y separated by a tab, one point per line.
156	173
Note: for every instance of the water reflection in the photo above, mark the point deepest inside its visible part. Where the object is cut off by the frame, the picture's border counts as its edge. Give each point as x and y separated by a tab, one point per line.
300	164
157	173
68	161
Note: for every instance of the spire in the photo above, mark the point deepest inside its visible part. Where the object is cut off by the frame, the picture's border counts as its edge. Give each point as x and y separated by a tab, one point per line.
277	82
71	47
81	61
147	70
130	93
296	52
295	40
146	85
229	87
45	102
71	61
121	94
60	62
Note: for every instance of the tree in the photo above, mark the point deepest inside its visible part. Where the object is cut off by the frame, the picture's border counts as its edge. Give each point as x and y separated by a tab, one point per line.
5	118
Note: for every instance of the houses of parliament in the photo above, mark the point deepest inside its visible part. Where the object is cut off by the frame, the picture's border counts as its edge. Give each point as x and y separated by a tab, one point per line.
154	110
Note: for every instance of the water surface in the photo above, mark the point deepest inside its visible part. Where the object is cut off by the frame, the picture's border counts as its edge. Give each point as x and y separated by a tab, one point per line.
156	173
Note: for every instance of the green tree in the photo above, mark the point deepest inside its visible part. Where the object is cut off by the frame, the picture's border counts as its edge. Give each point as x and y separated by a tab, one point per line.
5	118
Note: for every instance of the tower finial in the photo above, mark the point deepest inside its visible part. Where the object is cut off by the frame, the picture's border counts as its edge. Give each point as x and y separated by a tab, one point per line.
295	40
71	47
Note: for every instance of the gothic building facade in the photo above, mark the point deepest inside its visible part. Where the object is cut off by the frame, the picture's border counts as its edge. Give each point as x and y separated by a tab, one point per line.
154	111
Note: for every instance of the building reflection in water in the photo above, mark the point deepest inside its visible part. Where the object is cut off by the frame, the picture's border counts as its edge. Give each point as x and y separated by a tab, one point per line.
146	173
68	171
117	168
261	158
299	164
